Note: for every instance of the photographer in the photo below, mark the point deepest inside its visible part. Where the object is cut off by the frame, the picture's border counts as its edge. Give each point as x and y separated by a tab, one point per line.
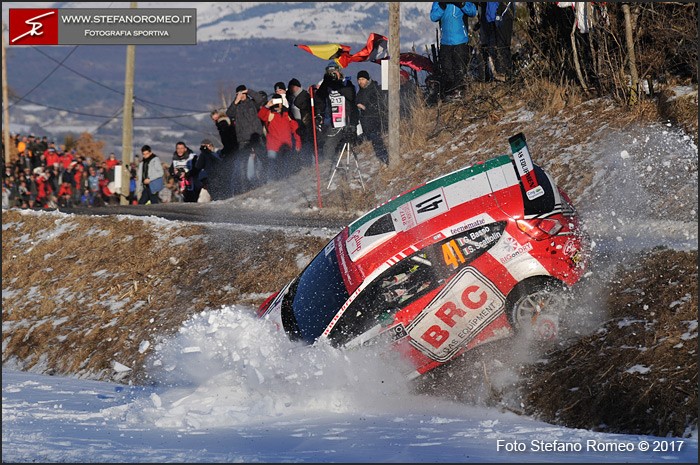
243	113
180	170
283	141
337	114
208	163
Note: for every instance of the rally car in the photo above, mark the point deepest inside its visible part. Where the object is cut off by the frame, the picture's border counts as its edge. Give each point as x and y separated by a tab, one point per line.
473	256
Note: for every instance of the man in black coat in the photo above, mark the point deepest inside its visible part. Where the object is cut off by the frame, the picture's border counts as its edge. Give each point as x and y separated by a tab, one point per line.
300	109
337	112
243	113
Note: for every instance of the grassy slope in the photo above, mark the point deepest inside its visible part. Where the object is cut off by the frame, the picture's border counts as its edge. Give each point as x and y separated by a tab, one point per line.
123	281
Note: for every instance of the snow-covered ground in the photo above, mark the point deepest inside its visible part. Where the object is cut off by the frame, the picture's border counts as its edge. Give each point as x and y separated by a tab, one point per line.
230	388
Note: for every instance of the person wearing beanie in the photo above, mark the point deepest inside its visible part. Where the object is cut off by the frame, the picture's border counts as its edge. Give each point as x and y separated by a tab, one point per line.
372	105
362	74
336	122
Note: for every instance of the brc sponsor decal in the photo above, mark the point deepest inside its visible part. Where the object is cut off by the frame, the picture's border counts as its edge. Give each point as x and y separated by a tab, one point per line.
468	304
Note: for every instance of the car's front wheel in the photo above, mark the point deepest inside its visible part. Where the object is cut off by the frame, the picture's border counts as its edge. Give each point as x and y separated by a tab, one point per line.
535	307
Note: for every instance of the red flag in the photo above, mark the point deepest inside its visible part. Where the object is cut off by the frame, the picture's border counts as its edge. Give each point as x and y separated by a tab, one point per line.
376	49
416	62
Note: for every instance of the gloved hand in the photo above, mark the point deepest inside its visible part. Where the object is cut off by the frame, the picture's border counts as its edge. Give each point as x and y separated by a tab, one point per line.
319	124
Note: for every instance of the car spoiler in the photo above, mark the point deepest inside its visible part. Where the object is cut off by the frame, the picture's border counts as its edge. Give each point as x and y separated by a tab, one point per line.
524	165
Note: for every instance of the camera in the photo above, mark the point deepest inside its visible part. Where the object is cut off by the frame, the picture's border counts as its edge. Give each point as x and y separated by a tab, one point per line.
203	147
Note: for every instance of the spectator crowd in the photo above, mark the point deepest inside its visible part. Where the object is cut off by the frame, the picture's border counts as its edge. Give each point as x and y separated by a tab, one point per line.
262	137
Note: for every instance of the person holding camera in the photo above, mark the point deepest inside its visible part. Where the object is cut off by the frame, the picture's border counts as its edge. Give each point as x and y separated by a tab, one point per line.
282	138
454	36
243	113
337	113
180	170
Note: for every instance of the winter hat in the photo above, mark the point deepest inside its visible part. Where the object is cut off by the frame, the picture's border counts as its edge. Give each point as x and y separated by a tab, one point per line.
363	74
206	142
332	66
280	86
241	88
294	82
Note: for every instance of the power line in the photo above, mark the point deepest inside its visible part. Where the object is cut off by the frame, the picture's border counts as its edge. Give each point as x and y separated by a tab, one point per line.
46	77
120	92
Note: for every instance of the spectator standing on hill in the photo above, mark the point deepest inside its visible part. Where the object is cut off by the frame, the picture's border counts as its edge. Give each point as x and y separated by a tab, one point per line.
149	177
230	157
283	142
454	37
208	163
337	115
179	170
495	32
300	110
243	112
372	104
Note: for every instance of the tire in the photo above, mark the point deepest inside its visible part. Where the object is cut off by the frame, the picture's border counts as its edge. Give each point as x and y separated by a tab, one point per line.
535	306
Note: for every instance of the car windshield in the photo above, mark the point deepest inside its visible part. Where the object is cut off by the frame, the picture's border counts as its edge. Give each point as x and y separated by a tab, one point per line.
315	297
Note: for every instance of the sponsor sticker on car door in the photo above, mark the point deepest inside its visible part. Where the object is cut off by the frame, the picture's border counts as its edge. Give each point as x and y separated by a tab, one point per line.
468	304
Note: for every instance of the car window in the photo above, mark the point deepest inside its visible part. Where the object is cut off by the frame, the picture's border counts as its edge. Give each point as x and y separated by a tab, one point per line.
412	278
315	297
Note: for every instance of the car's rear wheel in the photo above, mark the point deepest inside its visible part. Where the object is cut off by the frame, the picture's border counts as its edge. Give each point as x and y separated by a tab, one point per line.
535	307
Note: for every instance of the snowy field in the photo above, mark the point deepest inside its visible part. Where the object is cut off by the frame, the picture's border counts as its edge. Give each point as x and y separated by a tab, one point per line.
230	388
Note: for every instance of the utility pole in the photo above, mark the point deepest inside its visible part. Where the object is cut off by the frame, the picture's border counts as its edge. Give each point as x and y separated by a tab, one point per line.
5	100
394	81
128	121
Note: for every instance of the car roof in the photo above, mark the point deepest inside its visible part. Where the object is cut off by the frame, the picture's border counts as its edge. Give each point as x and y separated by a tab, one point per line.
473	195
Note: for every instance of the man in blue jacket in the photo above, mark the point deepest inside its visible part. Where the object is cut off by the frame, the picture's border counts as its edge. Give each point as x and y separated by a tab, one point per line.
454	37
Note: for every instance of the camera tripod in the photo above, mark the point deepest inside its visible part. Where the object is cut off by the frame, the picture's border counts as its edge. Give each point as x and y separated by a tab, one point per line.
346	151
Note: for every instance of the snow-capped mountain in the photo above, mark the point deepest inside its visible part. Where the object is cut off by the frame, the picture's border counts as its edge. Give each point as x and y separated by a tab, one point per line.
307	22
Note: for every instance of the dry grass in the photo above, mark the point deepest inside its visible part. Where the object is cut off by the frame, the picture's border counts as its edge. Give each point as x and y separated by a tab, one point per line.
116	283
638	373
